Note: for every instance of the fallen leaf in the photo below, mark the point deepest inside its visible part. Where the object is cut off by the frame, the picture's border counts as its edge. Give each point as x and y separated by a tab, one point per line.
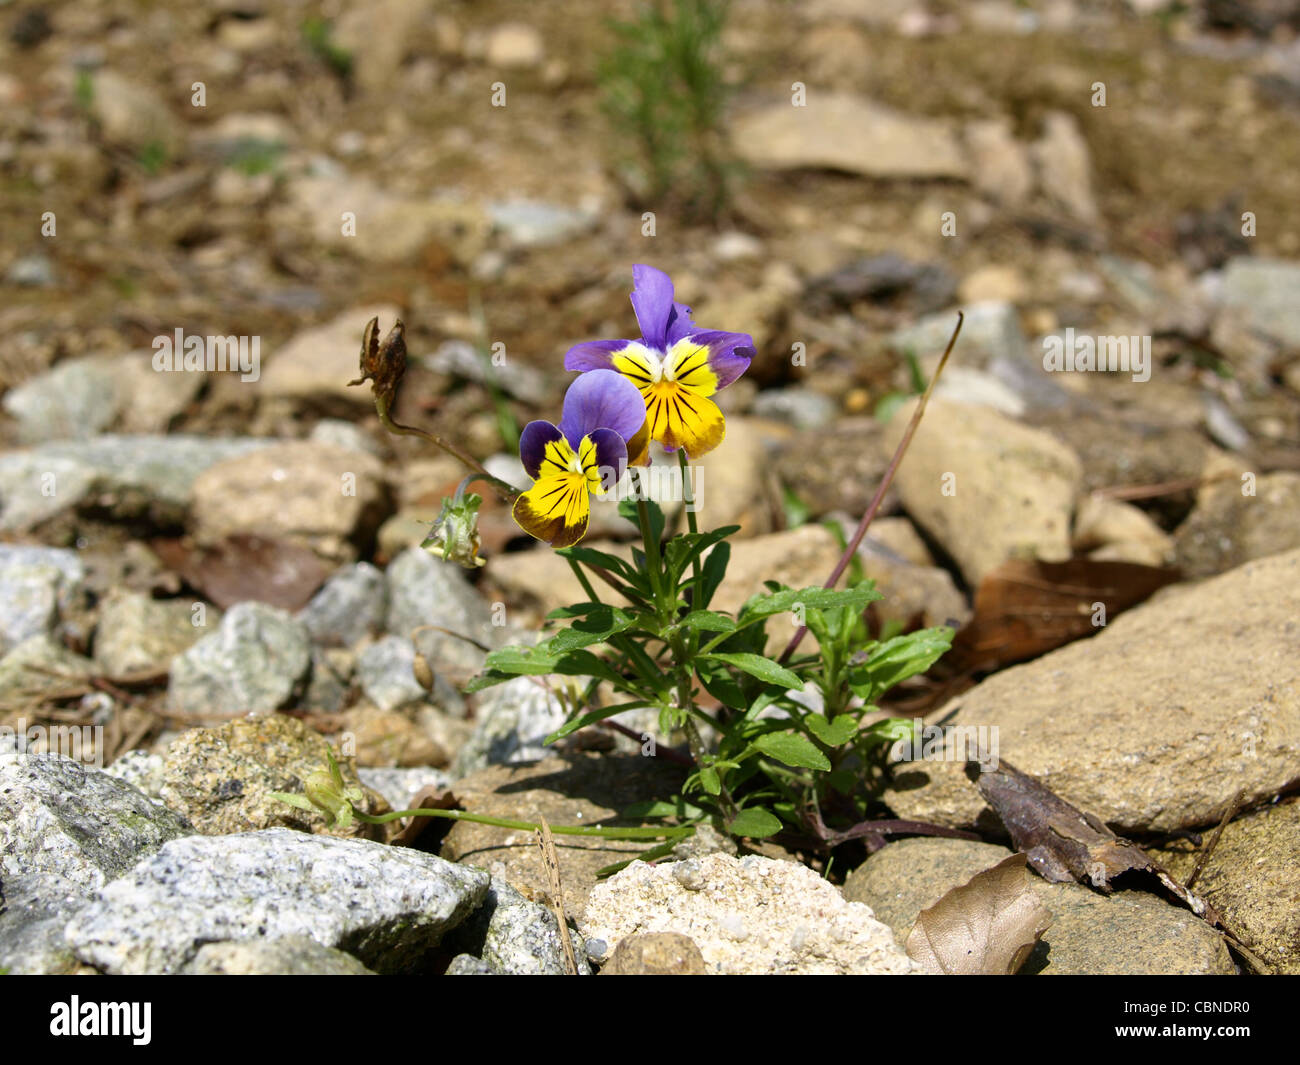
242	566
1024	609
987	926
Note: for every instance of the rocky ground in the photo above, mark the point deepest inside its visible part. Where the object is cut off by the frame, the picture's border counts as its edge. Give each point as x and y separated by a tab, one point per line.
215	578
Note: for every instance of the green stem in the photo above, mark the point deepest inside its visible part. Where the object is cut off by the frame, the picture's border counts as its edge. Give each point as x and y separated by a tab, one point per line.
689	503
503	822
582	579
654	561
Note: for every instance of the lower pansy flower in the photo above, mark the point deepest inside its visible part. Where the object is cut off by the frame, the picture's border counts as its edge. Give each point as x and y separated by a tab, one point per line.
675	366
603	420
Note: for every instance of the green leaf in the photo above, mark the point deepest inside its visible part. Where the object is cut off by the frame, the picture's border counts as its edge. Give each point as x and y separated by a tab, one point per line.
906	656
792	749
657	808
758	666
715	568
710	780
596	627
592	717
754	824
786	599
627	508
603	560
510	662
832	733
707	621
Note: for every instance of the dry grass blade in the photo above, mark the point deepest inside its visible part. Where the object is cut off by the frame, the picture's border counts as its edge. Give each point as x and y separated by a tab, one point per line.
986	927
551	861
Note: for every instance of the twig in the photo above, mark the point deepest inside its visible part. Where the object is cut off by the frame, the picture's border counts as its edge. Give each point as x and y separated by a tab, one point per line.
1204	856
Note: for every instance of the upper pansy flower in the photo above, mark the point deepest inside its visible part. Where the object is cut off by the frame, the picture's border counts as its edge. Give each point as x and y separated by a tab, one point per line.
603	418
675	365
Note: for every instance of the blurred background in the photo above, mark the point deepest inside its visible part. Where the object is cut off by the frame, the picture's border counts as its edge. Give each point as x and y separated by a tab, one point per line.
834	177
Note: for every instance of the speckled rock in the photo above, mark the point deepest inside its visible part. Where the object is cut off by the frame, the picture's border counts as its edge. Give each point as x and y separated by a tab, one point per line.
1130	932
34	582
254	662
289	956
399	785
60	818
138	634
33	912
513	721
749	916
1146	731
39	664
222	778
515	936
143	770
423	590
349	607
386	906
1228	527
1253	879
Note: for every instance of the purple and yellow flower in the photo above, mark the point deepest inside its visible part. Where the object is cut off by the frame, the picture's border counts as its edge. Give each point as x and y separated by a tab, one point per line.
675	366
586	454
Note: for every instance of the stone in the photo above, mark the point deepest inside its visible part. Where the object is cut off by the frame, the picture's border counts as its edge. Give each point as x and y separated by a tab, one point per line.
1115	531
255	661
513	45
390	738
748	916
840	131
33	912
34	582
515	936
800	407
1263	291
137	634
386	906
350	606
424	590
577	789
961	384
386	673
1227	527
990	330
379	38
222	779
1000	166
1148	733
146	478
290	956
524	224
1251	879
143	770
319	496
1127	933
513	721
987	488
77	399
316	364
400	785
338	433
63	819
1064	166
656	954
133	116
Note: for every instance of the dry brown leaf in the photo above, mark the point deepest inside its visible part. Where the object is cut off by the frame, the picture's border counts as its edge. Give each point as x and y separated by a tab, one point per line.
243	566
985	927
1025	609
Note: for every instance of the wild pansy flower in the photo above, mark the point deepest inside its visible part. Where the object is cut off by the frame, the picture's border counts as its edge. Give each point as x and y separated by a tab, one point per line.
675	365
603	418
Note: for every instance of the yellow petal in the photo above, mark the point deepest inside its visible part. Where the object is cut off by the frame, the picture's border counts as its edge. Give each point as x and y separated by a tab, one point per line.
681	419
687	363
555	510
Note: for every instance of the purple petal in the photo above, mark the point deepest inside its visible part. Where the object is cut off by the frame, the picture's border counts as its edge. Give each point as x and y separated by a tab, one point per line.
532	445
652	299
611	456
593	355
601	399
729	353
679	323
